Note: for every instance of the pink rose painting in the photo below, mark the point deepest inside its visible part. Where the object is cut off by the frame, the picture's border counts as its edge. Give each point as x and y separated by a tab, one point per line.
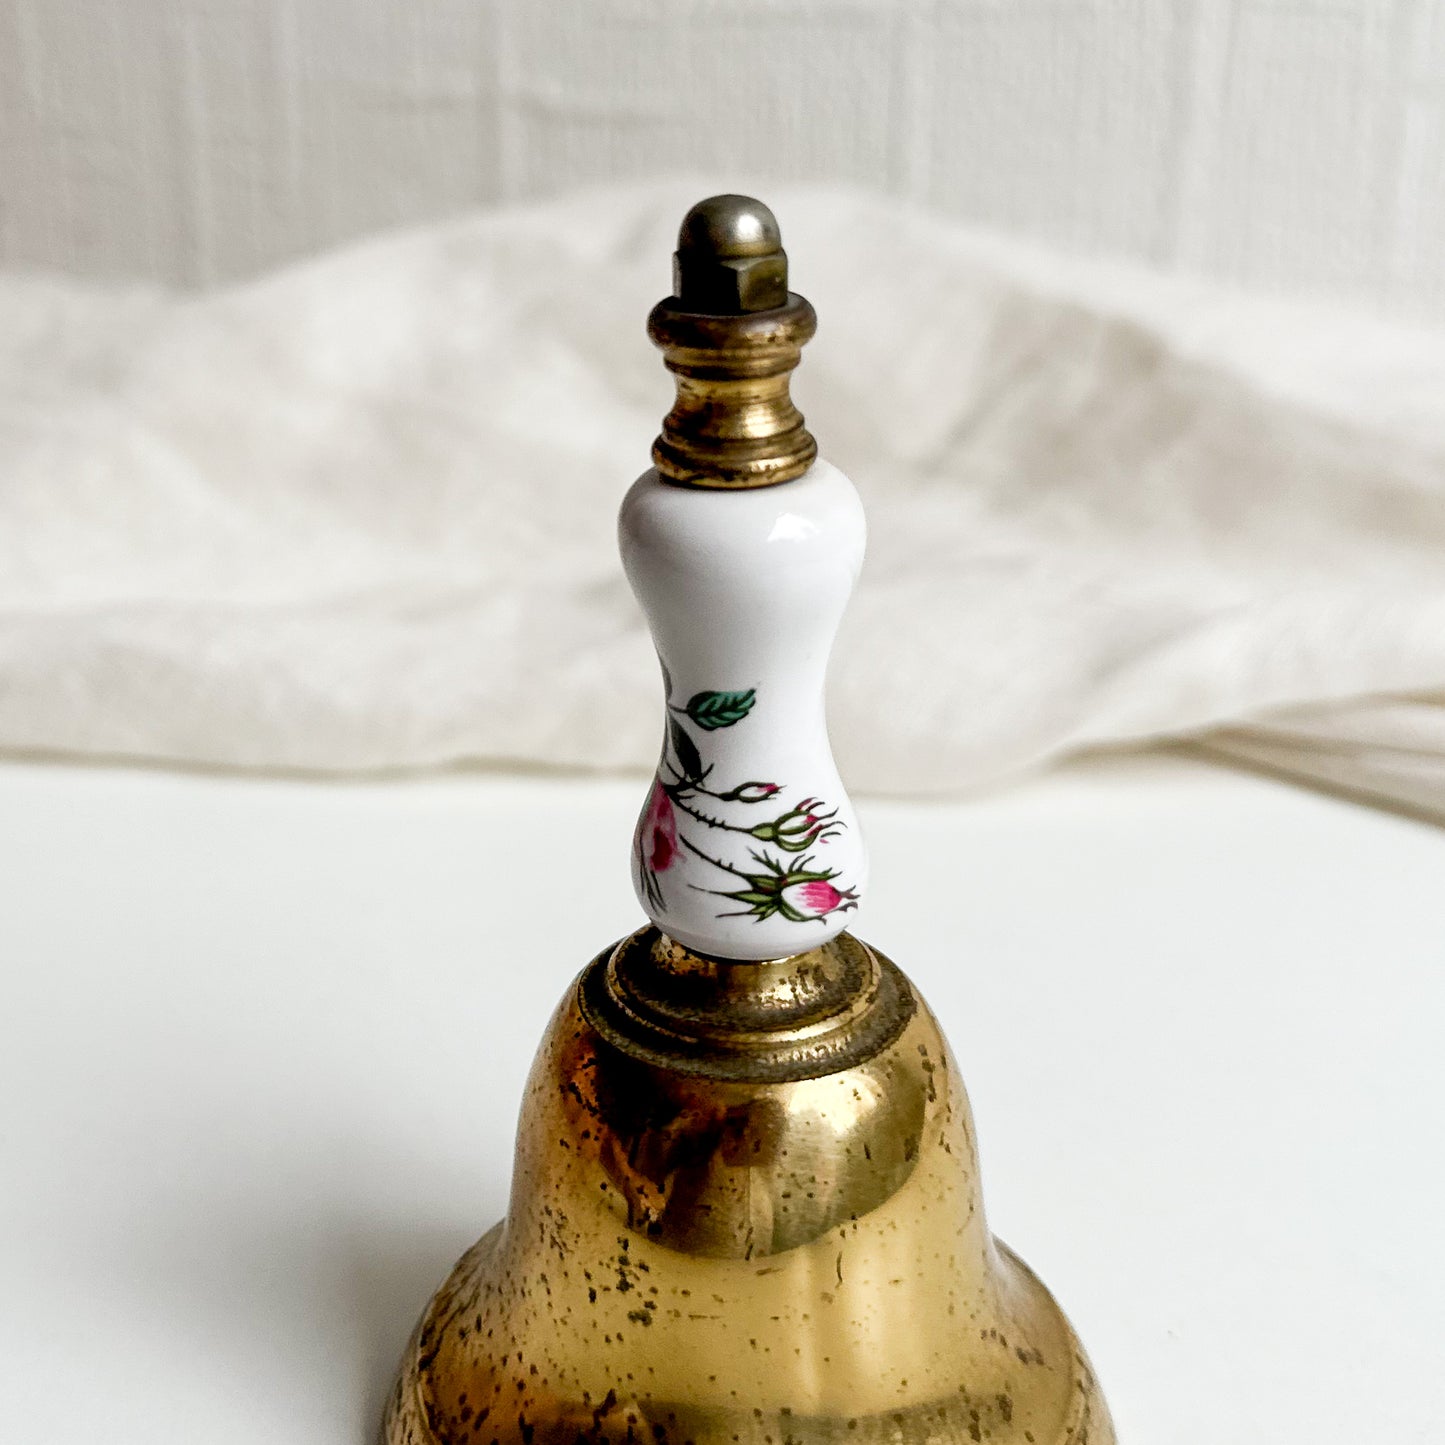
659	832
684	810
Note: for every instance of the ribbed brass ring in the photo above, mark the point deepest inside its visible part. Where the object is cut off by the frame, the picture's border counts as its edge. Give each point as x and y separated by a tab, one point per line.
772	1022
734	423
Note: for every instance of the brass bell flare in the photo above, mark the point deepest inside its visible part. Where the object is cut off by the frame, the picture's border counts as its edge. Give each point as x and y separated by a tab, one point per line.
745	1211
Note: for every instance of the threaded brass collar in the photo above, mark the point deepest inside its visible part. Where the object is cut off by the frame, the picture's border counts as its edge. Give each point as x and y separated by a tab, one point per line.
734	423
788	1018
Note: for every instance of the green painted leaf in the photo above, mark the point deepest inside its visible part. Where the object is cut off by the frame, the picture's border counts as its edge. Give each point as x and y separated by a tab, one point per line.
719	709
688	758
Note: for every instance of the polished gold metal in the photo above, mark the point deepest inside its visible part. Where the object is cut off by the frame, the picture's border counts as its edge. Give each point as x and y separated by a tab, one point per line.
731	335
745	1211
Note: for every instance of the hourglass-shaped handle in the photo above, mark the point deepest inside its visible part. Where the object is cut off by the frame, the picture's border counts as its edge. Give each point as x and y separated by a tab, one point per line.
743	550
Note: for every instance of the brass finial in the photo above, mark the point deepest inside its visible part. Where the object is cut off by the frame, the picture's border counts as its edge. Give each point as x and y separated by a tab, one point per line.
731	334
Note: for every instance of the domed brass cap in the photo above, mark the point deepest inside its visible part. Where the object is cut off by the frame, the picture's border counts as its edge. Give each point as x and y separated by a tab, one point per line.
732	334
730	258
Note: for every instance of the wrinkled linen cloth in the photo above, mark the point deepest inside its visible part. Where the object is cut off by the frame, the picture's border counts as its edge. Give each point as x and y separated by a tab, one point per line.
359	513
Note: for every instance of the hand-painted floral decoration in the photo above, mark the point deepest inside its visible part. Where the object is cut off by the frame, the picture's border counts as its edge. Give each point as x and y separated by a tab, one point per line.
683	815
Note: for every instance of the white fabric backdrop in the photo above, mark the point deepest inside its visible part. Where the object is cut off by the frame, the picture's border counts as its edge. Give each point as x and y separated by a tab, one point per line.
358	514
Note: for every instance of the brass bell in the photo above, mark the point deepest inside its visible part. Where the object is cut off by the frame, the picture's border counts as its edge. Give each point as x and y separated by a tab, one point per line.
745	1207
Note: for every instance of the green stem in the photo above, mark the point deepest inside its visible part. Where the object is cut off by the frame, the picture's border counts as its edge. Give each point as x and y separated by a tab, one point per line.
707	858
703	817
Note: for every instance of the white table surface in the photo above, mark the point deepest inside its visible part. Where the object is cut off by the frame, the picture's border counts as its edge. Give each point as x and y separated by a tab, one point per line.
262	1044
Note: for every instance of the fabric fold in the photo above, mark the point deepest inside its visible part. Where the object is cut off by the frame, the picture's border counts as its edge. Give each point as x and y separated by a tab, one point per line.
358	514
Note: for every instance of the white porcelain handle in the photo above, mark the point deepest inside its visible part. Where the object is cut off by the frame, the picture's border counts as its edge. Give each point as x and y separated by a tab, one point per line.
747	847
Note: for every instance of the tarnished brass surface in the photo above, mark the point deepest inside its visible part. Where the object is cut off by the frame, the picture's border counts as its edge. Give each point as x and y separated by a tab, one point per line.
771	1022
745	1211
731	335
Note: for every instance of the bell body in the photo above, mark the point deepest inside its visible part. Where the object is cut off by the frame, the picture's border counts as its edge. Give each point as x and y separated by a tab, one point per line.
747	846
743	1235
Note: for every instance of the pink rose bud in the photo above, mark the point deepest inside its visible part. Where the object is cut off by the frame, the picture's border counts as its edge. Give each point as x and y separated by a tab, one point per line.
817	898
752	793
